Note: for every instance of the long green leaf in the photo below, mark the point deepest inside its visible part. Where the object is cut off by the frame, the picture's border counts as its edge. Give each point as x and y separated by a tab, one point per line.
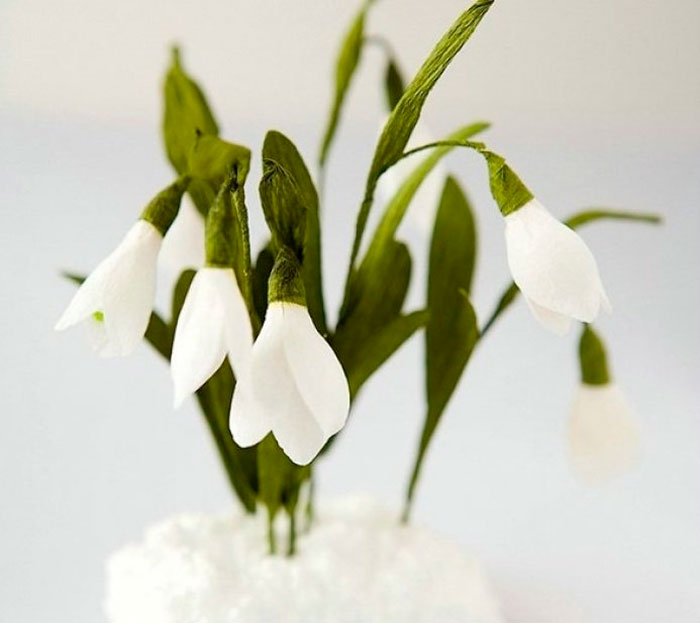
186	115
375	351
379	301
451	332
346	64
404	117
291	201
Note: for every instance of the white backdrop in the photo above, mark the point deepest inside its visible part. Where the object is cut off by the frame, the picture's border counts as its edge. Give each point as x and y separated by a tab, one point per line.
593	103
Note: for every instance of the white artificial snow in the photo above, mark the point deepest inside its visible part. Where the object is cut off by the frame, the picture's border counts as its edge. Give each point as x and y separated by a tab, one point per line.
357	565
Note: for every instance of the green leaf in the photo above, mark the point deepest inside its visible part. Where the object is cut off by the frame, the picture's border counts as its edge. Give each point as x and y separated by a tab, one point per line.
393	84
290	203
577	220
404	117
186	115
182	287
374	352
213	159
451	332
380	296
346	64
398	206
596	214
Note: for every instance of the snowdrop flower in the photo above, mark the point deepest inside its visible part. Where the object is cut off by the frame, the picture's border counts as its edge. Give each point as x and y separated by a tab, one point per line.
213	323
295	386
602	432
117	297
549	262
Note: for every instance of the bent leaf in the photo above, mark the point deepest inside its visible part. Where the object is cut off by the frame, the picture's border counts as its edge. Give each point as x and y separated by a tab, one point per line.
451	332
394	85
404	117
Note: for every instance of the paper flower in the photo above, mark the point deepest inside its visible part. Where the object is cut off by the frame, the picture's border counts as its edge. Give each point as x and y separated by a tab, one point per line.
117	298
553	267
295	386
602	432
183	247
213	323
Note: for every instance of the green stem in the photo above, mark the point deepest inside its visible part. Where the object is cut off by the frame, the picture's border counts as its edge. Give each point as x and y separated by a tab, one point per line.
271	538
291	549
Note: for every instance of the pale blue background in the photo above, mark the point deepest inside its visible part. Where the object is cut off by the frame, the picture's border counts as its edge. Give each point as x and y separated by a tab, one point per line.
594	103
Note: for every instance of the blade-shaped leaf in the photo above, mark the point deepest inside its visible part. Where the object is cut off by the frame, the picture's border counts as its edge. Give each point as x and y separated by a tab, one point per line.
451	332
380	299
375	351
404	117
186	114
394	84
290	202
346	64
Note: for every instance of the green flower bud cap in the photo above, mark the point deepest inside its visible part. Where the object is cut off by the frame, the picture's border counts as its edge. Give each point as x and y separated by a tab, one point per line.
220	228
163	208
506	187
286	284
592	357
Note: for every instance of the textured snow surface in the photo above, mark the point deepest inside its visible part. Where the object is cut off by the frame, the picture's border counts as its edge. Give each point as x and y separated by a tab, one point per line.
357	565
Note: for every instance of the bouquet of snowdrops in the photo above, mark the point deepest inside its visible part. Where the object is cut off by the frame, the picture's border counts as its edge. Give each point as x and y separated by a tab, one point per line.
249	336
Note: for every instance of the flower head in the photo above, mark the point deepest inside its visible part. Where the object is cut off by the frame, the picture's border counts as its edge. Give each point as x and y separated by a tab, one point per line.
213	323
295	386
117	297
553	268
602	431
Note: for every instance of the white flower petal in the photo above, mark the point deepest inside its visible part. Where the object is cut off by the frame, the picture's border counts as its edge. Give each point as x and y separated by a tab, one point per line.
183	246
248	422
122	289
556	323
602	433
552	265
199	345
319	377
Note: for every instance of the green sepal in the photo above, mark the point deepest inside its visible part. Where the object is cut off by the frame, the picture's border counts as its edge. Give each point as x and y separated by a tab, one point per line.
451	332
290	203
345	66
506	187
394	84
592	358
221	228
286	284
404	116
162	210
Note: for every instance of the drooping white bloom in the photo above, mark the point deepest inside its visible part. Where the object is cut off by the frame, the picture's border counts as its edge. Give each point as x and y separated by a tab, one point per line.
602	433
117	298
424	205
183	245
553	268
213	323
295	387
